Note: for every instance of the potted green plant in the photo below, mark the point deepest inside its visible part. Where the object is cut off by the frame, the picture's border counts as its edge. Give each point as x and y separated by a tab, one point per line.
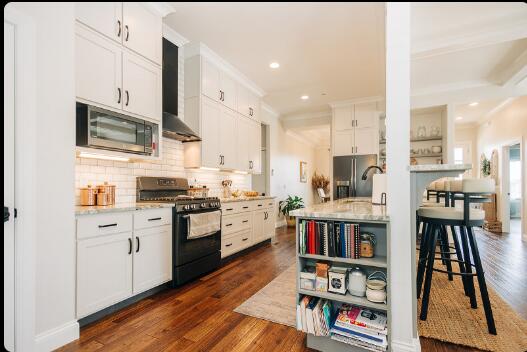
288	205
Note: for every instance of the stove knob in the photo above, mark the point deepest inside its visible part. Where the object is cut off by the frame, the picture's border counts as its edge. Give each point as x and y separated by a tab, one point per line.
186	207
193	206
203	205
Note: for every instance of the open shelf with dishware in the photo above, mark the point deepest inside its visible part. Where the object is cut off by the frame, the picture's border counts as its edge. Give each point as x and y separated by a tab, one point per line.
355	270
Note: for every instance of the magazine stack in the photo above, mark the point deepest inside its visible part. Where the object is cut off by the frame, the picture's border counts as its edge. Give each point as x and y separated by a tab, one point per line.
361	327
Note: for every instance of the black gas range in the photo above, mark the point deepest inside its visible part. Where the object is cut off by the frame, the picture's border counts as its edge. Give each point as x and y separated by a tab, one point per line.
190	257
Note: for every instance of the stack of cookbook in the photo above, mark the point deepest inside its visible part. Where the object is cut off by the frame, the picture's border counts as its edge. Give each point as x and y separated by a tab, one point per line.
361	327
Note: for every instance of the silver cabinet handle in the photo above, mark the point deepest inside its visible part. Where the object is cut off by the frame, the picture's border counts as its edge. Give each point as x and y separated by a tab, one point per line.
118	28
127	32
119	98
127	97
228	245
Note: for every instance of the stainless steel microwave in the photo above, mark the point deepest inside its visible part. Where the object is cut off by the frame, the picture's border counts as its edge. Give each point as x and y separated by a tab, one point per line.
104	129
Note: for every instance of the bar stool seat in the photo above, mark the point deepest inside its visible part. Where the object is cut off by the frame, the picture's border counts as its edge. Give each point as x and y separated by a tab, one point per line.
449	213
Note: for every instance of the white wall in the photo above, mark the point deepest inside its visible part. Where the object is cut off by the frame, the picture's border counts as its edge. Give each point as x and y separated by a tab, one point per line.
286	152
469	133
322	156
507	127
54	181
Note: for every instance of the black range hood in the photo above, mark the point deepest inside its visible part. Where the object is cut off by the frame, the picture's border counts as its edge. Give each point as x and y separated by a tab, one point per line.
173	126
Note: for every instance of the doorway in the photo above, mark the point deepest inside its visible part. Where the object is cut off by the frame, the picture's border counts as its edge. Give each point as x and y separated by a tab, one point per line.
262	183
511	196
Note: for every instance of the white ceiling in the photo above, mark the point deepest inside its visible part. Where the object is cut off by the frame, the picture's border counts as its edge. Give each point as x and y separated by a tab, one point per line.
461	52
317	136
474	115
336	49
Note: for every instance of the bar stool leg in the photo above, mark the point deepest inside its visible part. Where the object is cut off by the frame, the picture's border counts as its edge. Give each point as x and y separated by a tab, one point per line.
445	252
459	256
482	284
429	271
423	252
468	267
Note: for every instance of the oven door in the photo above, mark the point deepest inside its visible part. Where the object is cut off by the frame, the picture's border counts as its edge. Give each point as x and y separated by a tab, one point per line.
118	132
187	251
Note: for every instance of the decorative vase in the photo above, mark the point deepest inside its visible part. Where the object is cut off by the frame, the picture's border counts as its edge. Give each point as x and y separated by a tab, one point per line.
291	221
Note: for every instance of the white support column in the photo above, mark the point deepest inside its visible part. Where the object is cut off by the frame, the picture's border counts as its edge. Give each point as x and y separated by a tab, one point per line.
402	250
449	131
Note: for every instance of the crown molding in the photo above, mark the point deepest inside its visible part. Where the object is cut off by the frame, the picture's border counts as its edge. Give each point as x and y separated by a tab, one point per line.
173	36
344	103
161	8
270	110
198	48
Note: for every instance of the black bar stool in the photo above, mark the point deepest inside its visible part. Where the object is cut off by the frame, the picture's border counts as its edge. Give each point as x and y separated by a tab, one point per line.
436	220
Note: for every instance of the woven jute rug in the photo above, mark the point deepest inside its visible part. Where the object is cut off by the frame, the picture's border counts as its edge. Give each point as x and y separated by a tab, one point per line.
451	319
276	301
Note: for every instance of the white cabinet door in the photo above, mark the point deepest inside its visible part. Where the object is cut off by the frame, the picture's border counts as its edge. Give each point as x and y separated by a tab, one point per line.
366	141
259	226
104	17
98	66
243	100
228	91
254	106
152	257
210	127
343	118
210	80
255	147
243	131
343	143
104	272
227	142
366	115
269	223
142	31
142	87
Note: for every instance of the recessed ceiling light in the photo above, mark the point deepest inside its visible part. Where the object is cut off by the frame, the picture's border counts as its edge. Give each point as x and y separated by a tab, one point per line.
459	118
274	65
474	104
304	97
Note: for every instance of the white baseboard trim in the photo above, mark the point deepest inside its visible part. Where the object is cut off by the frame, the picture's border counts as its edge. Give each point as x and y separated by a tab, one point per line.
57	337
281	223
399	346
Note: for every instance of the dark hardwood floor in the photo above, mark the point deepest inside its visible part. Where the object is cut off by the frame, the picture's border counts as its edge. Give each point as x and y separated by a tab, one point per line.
200	317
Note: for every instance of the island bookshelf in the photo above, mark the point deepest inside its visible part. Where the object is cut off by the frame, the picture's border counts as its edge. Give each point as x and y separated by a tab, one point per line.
380	261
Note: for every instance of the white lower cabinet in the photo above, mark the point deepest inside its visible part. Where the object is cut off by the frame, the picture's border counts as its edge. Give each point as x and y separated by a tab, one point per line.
104	272
246	223
152	258
112	265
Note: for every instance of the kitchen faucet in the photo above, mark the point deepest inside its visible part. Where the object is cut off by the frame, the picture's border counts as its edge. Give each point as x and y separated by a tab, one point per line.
365	174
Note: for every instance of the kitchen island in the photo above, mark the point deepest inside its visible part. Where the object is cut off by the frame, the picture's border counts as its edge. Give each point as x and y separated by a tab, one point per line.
371	219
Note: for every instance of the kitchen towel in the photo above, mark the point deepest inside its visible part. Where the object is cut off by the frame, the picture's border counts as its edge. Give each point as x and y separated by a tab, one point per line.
204	224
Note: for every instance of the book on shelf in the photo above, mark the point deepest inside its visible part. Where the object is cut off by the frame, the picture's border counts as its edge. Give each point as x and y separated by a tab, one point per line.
367	318
329	238
315	315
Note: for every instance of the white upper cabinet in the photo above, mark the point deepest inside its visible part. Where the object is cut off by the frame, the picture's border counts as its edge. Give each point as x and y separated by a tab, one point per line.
242	141
104	17
243	100
255	147
226	137
142	87
254	106
142	31
343	143
210	80
210	127
98	69
343	118
366	141
227	91
366	115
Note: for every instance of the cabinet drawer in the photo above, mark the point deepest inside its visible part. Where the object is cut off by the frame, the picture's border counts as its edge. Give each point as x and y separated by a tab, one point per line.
103	224
235	243
152	217
235	207
235	223
262	204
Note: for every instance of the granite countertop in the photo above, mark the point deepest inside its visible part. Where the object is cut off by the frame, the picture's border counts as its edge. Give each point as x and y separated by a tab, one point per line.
346	209
99	209
440	167
243	199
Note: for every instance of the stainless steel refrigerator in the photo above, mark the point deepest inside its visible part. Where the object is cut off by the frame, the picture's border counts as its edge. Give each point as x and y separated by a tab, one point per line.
347	173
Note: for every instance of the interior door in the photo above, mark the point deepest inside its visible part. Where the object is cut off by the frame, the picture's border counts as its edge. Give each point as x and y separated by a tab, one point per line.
143	31
98	66
227	140
104	17
152	258
142	87
9	186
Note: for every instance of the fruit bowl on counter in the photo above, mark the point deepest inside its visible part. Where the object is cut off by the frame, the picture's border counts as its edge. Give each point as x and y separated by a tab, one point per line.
250	194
